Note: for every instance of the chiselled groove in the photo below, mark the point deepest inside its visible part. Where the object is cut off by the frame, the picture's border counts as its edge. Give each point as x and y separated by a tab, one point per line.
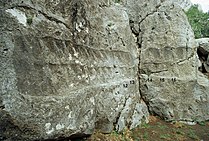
86	66
91	71
83	46
154	72
54	38
169	55
86	46
187	59
61	47
83	65
58	47
86	55
110	86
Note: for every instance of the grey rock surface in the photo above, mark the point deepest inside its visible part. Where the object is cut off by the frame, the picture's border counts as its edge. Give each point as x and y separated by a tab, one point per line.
70	67
203	43
203	53
170	82
207	61
67	68
184	4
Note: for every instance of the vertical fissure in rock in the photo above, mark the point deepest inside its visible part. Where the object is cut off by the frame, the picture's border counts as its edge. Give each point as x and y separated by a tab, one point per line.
138	35
116	126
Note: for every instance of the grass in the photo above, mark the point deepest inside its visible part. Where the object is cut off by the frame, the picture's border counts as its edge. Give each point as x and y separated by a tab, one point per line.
179	132
145	125
161	126
158	130
202	123
193	135
165	136
145	136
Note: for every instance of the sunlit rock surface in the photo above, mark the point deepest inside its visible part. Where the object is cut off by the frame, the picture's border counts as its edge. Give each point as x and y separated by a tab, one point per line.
170	82
69	68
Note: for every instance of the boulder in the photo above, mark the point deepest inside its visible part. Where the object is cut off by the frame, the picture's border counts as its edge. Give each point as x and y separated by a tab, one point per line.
170	82
184	4
203	43
203	52
67	68
207	61
206	66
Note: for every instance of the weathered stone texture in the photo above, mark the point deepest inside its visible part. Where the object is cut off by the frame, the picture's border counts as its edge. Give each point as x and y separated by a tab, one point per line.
184	4
170	82
70	67
67	67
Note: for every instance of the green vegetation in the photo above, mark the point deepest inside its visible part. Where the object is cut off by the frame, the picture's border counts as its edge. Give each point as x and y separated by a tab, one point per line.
202	123
192	135
199	22
29	20
157	130
165	136
145	125
117	1
145	135
162	127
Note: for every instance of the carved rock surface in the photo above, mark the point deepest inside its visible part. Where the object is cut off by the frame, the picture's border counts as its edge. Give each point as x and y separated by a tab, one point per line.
70	67
67	68
170	82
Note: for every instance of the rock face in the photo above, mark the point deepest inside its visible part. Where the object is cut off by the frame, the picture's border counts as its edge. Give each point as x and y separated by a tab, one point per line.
203	52
170	83
69	67
184	4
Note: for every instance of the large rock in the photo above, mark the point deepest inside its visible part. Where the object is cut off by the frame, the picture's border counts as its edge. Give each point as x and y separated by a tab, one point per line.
184	4
70	67
203	53
203	43
170	82
67	68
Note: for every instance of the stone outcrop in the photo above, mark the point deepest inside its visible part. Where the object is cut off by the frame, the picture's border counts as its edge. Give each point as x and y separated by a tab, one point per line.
170	82
203	52
70	67
184	4
67	68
